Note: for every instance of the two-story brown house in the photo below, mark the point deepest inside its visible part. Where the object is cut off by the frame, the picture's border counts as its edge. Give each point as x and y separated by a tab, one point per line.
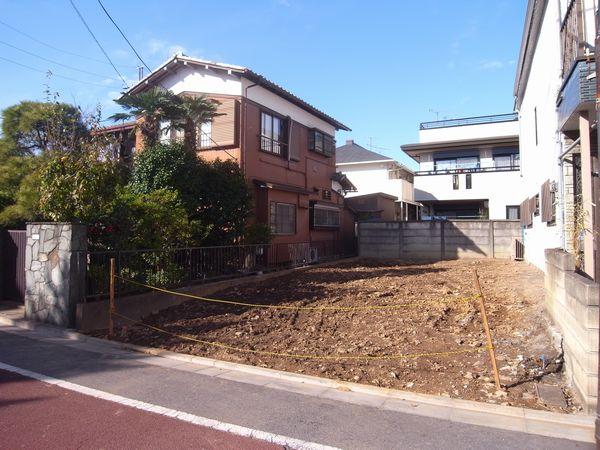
285	146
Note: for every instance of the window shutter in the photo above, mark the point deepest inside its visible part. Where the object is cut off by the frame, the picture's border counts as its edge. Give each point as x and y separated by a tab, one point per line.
546	202
224	131
294	140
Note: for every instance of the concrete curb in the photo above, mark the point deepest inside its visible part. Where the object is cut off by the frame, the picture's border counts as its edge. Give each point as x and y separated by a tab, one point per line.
544	423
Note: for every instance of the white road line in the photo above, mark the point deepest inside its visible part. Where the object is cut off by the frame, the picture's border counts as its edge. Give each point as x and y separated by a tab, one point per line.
181	415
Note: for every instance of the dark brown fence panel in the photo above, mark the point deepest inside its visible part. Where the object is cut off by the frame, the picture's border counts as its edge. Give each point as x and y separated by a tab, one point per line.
12	253
177	267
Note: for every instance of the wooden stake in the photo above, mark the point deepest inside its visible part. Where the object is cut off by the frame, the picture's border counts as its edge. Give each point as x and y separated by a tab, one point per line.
111	302
488	334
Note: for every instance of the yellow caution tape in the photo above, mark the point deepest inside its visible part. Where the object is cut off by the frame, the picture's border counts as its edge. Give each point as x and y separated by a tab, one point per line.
300	308
306	356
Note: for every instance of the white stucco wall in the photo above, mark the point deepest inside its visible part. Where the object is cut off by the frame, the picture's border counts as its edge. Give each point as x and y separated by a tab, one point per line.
197	79
539	162
459	133
282	106
371	178
499	188
202	80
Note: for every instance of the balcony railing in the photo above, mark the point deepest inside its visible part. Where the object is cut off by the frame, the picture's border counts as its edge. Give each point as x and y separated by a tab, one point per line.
498	168
469	121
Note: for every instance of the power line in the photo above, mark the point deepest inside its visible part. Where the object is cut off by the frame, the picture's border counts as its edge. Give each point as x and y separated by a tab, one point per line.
67	52
50	72
98	43
124	37
55	62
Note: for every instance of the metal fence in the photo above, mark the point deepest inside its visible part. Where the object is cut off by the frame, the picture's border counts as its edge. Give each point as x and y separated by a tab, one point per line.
177	267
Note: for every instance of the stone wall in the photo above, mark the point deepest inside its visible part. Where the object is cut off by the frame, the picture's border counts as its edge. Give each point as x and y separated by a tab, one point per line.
438	240
54	272
572	301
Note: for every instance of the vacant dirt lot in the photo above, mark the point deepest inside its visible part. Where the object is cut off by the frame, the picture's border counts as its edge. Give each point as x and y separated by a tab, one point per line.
438	322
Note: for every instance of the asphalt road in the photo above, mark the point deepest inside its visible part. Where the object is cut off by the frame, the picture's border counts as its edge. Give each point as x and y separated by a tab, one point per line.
37	415
276	411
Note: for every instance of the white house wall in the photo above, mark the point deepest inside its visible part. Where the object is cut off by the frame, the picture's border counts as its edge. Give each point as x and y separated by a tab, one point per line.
188	79
371	178
539	162
500	129
501	189
272	101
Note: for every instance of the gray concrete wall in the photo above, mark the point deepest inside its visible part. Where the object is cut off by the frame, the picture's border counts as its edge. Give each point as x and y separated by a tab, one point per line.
438	240
54	272
572	301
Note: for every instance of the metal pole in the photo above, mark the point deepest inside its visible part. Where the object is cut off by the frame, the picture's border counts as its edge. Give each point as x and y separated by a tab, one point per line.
488	334
111	303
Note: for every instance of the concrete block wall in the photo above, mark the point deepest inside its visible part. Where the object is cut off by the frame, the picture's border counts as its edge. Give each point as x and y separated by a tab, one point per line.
573	303
438	240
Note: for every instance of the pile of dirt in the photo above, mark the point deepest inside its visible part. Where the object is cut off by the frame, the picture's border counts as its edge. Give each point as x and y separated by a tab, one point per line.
443	316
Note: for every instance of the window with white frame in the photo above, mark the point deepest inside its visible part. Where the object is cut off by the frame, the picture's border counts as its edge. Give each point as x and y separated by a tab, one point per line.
282	218
272	134
204	135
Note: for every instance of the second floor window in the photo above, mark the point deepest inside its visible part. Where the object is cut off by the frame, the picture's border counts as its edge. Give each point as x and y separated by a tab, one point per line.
506	161
321	143
272	134
204	135
465	162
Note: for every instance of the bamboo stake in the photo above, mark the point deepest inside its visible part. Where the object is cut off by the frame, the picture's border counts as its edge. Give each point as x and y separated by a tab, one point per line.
488	334
111	303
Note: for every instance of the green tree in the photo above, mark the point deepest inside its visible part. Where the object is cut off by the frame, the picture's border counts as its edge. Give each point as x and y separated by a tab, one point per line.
151	107
167	166
194	111
215	195
225	201
28	126
153	220
78	186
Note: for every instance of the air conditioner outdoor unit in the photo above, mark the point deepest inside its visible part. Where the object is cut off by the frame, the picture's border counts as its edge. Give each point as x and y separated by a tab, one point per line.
313	255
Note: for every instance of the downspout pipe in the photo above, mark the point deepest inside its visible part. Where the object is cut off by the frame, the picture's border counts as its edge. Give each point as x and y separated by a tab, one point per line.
245	126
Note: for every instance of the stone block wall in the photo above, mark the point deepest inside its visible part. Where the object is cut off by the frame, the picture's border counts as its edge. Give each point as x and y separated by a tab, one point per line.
573	303
54	271
438	240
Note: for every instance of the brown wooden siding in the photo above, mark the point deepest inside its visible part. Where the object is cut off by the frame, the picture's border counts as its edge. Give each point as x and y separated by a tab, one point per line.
225	124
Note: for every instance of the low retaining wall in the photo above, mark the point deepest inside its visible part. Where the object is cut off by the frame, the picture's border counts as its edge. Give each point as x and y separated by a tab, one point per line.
572	301
438	240
94	315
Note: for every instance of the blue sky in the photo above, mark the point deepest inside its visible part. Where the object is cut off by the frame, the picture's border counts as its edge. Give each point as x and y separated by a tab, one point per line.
381	67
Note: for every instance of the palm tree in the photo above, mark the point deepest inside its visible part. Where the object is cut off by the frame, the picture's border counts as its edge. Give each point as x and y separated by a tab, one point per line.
195	111
153	107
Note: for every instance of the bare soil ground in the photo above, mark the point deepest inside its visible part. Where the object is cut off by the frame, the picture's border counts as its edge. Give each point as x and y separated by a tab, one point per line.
438	322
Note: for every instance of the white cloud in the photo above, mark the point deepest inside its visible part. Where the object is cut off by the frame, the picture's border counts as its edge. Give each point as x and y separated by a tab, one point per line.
164	49
492	65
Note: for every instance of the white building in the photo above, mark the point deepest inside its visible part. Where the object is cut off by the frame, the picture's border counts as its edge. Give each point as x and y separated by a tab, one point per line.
373	173
555	91
468	168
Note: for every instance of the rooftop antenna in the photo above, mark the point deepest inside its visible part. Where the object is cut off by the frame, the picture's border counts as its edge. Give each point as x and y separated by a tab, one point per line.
437	113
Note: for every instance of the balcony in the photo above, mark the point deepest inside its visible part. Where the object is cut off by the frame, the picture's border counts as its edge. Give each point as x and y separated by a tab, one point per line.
578	93
471	169
480	120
